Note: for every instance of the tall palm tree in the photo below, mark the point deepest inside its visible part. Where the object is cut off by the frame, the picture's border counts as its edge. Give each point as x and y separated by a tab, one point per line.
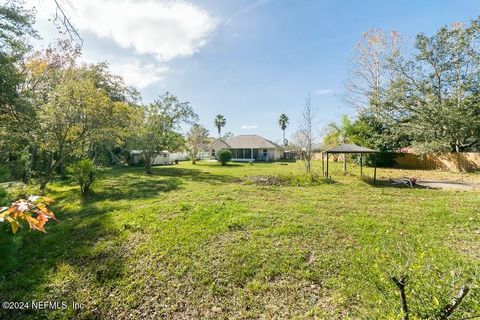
343	132
220	122
282	122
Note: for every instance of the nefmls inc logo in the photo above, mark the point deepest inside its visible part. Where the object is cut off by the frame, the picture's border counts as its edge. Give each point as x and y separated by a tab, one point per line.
51	305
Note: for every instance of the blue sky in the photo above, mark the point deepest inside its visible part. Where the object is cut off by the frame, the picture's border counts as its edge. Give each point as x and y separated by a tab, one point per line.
248	60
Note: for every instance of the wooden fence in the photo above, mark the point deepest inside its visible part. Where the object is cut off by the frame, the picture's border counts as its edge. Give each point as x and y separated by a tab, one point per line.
459	162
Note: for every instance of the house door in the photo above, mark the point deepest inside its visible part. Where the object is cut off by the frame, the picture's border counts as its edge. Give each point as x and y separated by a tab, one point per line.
265	154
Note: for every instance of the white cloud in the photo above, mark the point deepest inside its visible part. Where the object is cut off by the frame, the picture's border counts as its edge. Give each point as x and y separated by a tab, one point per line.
139	75
249	127
322	92
165	29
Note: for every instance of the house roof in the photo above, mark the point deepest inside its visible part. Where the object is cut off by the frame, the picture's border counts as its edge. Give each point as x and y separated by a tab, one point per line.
349	148
249	141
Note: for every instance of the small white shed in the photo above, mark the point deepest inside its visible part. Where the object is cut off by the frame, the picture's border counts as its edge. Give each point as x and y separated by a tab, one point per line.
162	159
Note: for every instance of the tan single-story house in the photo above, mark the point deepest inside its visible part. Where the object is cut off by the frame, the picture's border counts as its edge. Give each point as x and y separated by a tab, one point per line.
248	148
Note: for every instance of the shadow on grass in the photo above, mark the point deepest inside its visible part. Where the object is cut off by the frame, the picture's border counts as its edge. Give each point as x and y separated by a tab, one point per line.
132	188
133	183
390	184
87	250
194	174
219	165
85	253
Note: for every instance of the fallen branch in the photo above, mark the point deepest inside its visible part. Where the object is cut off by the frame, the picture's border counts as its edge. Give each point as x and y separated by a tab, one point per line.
409	182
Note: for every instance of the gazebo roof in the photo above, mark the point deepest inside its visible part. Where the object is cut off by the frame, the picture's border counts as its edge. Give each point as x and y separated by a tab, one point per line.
349	148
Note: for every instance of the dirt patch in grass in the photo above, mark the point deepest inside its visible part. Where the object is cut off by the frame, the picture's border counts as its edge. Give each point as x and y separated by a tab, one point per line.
298	180
449	185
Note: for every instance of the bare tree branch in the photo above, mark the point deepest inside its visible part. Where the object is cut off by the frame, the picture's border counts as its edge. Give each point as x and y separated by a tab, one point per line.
448	310
401	283
62	21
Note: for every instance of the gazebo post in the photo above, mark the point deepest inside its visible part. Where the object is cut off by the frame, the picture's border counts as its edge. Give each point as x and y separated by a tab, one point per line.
346	149
375	172
361	164
323	165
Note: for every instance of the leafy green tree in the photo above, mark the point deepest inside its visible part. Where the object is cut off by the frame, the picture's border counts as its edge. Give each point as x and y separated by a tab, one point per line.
283	122
15	31
84	172
346	131
123	115
16	25
433	95
440	84
224	156
54	75
197	139
75	112
220	122
160	128
228	135
16	113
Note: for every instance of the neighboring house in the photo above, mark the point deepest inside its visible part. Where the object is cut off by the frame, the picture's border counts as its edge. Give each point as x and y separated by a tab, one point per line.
162	158
248	148
180	156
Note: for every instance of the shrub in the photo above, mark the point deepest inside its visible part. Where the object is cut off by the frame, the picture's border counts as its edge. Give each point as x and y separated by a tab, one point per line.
3	197
383	159
84	172
19	166
5	174
224	156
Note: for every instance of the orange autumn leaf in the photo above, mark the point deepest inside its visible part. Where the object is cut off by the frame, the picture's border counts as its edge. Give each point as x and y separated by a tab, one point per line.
34	211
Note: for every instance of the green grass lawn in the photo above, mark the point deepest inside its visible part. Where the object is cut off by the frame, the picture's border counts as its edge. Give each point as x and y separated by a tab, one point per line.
198	242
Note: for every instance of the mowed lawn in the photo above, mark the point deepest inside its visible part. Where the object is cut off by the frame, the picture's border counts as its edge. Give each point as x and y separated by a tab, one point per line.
198	242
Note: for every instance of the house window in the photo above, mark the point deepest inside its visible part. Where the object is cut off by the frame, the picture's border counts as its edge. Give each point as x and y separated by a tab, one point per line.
213	152
248	153
240	154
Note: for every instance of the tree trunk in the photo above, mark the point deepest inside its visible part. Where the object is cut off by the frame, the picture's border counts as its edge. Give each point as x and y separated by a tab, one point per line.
448	310
148	168
148	163
308	163
48	176
193	155
401	283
